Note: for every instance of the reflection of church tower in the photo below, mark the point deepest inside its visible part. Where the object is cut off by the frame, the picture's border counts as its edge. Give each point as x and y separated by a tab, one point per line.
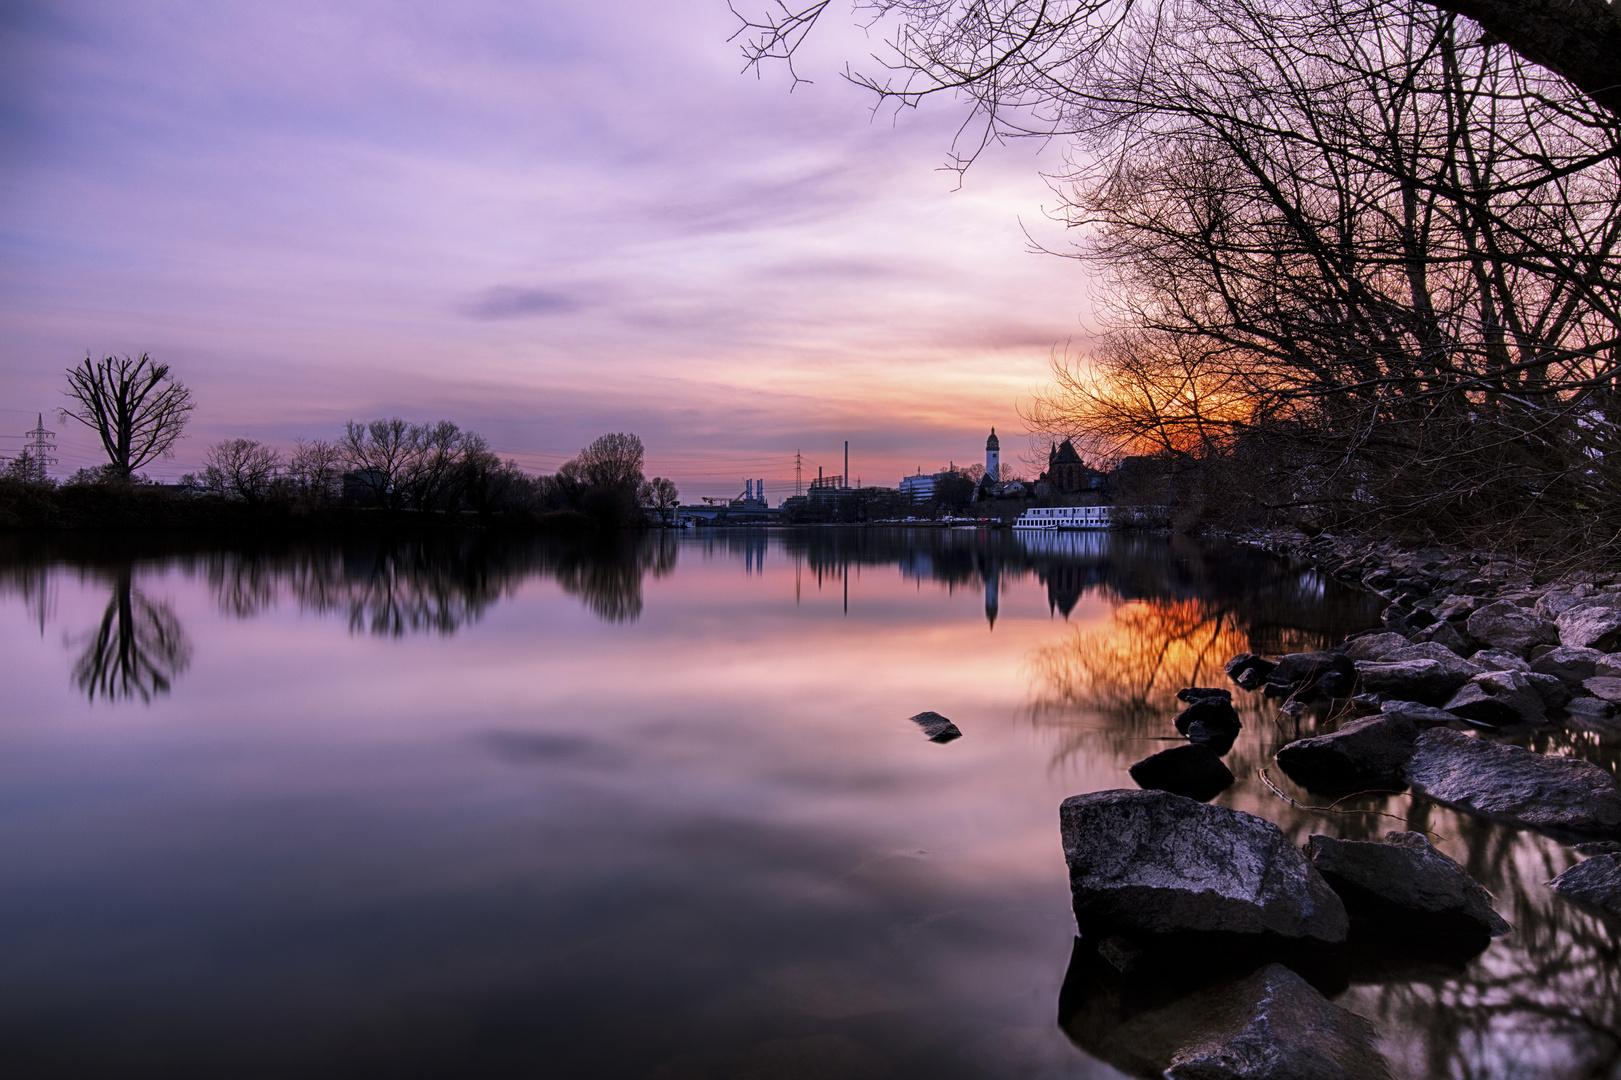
993	595
993	450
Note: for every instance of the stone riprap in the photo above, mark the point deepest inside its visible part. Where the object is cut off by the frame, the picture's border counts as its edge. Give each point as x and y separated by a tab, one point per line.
1498	699
1362	755
1592	624
1595	880
1328	674
1508	626
1404	887
1156	863
1424	680
1559	795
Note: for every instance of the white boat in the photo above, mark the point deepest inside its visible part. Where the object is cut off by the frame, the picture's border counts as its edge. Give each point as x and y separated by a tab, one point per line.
1065	517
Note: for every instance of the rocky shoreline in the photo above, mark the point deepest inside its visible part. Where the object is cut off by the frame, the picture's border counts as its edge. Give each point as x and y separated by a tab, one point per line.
1210	944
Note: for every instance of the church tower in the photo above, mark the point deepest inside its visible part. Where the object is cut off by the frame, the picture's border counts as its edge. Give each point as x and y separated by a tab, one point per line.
993	450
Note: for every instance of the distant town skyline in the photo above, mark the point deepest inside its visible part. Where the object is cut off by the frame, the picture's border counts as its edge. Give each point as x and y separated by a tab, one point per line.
543	224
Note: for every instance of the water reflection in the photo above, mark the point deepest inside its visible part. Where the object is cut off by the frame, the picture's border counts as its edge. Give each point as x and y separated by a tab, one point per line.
136	651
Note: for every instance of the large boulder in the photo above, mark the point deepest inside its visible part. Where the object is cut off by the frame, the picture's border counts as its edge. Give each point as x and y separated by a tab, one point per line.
1306	674
1448	634
1552	689
1270	1025
1595	881
1156	863
1593	624
1194	770
1404	887
1421	715
1559	795
1363	754
1555	602
1498	699
1427	680
1571	665
1374	646
1507	625
1215	714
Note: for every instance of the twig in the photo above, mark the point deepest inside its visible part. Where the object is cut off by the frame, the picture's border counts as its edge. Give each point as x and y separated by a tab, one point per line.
1333	808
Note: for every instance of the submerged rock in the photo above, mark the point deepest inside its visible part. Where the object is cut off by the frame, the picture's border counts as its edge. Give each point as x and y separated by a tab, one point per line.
937	727
1561	795
1361	755
1156	863
1498	699
1596	881
1404	887
1194	770
1270	1025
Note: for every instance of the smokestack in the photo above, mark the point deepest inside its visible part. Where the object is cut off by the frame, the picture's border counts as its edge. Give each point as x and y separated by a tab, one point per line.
759	489
846	462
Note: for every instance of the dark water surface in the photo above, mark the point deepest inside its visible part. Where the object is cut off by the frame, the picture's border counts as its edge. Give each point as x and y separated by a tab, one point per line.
491	808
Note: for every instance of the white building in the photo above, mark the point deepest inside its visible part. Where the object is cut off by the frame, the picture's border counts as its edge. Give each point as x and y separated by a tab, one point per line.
993	455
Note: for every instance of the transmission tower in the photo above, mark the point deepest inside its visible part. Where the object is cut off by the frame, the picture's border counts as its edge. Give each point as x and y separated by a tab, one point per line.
798	471
39	451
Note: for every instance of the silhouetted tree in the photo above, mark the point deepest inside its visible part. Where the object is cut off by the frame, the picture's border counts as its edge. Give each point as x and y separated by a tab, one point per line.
135	406
660	495
242	468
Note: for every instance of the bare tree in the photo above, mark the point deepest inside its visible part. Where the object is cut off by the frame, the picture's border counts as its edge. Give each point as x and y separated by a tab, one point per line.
315	471
242	468
135	406
659	495
379	455
613	462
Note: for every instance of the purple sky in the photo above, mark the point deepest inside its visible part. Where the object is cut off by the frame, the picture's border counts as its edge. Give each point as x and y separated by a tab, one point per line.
543	221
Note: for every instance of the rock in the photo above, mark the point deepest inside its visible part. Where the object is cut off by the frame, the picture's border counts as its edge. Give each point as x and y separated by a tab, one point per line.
1374	646
1431	650
1598	847
1217	738
1499	660
1498	699
937	727
1590	707
1193	770
1506	625
1404	887
1604	687
1457	607
1609	667
1591	625
1270	1025
1156	863
1596	881
1550	688
1194	694
1305	674
1555	602
1559	795
1445	633
1420	715
1248	670
1362	755
1213	714
1429	681
1571	665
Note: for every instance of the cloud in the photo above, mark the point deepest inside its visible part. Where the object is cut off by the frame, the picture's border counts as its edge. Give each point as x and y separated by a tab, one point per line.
511	302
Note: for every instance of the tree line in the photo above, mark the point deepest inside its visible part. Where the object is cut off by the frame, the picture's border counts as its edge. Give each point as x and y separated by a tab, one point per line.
138	410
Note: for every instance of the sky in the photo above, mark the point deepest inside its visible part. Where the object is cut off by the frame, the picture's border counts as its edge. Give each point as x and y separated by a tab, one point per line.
543	221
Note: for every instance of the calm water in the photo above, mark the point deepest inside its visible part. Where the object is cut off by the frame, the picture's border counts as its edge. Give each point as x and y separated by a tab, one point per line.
497	808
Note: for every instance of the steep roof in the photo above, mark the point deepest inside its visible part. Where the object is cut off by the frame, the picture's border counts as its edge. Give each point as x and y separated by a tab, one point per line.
1064	455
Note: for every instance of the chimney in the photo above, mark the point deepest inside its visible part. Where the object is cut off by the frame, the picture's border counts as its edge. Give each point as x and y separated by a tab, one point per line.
846	462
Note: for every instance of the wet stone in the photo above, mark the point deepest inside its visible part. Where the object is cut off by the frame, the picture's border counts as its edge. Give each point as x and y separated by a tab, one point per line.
1248	670
1498	699
1362	755
937	727
1404	887
1212	714
1559	795
1595	880
1156	863
1194	770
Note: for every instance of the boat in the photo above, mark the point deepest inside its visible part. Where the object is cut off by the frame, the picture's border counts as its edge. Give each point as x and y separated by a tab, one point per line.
1065	517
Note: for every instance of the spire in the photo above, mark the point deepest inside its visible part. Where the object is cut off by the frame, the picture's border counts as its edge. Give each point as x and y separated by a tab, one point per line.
992	443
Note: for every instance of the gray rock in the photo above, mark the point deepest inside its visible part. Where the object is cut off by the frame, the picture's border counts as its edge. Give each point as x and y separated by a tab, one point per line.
1552	689
1193	770
1591	625
1609	667
1555	602
1499	660
1448	634
1506	625
1429	681
1606	687
1571	665
1457	607
1374	646
1498	699
1153	862
1405	887
937	727
1596	881
1560	795
1270	1025
1598	847
1421	715
1305	674
1590	707
1362	755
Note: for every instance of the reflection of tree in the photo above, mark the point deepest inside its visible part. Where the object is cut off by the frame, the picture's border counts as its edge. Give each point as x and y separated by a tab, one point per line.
609	578
136	651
